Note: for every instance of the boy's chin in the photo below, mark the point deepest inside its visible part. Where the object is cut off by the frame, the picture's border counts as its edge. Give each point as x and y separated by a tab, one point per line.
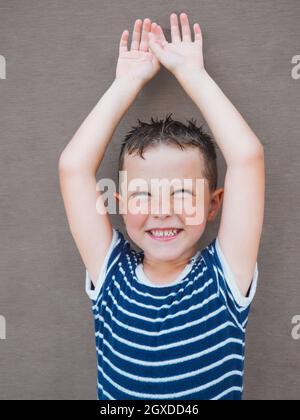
163	250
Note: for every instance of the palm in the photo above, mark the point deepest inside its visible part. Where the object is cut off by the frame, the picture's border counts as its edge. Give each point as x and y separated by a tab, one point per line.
138	63
187	53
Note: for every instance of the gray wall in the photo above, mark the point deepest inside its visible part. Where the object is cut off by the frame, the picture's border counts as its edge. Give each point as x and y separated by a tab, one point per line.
61	58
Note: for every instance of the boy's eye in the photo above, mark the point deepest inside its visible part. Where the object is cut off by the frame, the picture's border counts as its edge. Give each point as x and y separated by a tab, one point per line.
145	193
182	191
179	192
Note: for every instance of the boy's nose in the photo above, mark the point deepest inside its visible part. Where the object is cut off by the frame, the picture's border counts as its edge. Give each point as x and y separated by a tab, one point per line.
161	208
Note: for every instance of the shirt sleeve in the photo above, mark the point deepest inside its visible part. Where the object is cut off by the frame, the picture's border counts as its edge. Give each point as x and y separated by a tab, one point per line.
110	264
241	300
237	304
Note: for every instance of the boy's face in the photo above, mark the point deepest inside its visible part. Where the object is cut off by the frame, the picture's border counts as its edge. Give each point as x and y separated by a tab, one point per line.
146	206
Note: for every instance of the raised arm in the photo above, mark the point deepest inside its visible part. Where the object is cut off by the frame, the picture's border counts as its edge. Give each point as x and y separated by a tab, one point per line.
80	160
243	204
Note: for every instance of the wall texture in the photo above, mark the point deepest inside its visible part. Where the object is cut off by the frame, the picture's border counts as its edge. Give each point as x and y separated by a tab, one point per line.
60	58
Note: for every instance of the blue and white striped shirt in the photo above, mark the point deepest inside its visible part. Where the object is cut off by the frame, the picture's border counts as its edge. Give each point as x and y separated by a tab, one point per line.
183	341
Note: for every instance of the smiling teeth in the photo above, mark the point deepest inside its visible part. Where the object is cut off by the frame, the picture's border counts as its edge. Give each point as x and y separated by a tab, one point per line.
160	233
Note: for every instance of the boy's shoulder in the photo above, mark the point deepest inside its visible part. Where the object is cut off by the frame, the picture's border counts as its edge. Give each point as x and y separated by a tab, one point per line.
119	257
219	267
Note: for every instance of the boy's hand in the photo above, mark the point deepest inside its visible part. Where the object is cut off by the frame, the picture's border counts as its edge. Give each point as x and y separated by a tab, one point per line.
139	63
182	54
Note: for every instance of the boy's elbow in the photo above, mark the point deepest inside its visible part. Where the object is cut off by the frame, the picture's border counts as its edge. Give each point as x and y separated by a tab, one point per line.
259	150
67	165
254	155
258	153
63	164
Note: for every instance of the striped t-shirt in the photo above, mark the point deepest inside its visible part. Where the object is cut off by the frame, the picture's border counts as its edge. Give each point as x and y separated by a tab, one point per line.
182	341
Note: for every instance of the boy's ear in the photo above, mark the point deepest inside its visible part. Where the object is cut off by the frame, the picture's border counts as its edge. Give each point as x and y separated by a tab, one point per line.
117	196
215	204
119	199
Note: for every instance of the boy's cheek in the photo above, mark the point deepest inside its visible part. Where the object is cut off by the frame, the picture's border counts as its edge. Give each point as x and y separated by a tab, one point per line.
135	213
193	213
135	221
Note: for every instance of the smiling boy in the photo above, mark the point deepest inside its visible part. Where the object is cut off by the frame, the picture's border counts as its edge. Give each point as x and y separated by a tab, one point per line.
170	320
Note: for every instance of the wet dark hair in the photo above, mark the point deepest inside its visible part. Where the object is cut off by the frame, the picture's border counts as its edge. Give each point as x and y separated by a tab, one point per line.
172	132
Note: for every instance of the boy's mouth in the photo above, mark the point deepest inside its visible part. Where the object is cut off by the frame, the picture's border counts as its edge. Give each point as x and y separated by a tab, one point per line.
164	235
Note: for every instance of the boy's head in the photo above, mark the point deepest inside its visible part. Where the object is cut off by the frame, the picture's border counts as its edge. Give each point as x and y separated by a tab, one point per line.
176	155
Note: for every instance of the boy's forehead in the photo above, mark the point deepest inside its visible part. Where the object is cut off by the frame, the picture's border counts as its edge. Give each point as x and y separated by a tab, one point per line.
165	162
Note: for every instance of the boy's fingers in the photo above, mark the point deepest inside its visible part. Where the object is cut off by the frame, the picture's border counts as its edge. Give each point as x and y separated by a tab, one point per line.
154	34
153	28
159	35
136	36
146	30
124	42
154	46
175	31
186	30
198	33
162	36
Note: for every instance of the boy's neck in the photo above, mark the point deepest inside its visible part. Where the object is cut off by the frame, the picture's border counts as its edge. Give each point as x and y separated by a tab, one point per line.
166	272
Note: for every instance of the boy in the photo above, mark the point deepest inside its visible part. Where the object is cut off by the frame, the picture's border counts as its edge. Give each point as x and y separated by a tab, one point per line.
170	320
